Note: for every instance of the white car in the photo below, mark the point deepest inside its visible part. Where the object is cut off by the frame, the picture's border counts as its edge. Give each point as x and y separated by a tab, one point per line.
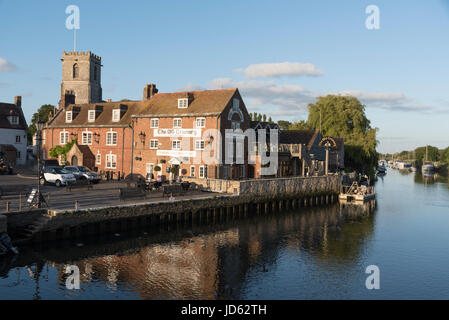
58	176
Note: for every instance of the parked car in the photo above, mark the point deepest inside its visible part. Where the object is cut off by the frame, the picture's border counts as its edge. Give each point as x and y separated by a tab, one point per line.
5	167
57	175
83	173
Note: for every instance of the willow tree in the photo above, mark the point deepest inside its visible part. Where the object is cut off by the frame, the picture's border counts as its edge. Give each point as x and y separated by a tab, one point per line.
344	116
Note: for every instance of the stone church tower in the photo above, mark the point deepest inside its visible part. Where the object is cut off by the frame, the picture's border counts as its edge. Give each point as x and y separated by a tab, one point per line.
81	78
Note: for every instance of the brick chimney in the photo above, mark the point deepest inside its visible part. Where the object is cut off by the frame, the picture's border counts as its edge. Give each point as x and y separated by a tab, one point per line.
18	101
149	91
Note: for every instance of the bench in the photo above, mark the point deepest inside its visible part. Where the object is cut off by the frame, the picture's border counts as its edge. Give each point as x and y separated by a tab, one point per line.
13	190
79	185
131	193
173	189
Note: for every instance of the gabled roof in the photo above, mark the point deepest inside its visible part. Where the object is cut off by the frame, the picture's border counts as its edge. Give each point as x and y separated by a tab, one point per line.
305	137
10	109
104	118
263	125
206	102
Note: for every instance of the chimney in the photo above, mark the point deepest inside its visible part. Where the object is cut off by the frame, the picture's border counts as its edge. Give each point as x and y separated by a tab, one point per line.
109	100
18	101
149	91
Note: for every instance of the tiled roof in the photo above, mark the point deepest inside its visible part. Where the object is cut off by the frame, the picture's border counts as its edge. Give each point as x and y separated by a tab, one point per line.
104	118
297	137
9	109
161	104
200	103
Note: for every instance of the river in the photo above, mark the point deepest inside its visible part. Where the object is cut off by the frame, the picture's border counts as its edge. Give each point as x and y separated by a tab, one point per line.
313	253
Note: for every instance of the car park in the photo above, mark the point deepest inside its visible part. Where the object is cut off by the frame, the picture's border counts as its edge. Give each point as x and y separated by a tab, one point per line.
56	175
83	173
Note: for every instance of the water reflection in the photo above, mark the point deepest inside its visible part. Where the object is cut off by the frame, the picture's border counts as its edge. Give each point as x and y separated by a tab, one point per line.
200	262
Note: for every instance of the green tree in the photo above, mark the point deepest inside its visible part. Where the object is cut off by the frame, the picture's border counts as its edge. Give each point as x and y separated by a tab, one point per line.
264	117
283	124
42	114
344	116
300	125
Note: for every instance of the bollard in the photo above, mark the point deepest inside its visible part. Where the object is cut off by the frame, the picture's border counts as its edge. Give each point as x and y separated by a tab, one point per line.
20	201
76	205
7	206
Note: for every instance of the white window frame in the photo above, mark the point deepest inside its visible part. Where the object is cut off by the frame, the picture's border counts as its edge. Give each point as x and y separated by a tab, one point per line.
88	136
199	145
98	158
192	171
63	137
202	172
91	116
176	143
115	115
175	121
203	120
111	142
183	103
111	161
68	116
154	123
154	144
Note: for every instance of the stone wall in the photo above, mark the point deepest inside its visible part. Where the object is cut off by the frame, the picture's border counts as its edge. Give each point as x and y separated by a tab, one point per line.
3	224
273	187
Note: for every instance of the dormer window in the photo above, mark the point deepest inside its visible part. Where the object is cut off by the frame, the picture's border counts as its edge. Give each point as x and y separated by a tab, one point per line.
116	115
68	116
183	103
91	116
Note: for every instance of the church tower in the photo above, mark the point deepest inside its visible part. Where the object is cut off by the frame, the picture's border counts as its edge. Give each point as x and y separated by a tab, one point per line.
81	78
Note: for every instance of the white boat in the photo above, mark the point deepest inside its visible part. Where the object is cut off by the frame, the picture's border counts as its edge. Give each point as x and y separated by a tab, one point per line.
428	168
381	169
357	192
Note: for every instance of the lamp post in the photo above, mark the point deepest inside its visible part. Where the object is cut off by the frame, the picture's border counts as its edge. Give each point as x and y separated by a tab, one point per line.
39	126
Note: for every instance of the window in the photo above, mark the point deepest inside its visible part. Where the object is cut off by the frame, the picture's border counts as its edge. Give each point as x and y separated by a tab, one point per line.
235	125
199	145
177	123
98	158
86	138
75	71
154	123
68	116
242	172
183	103
63	137
176	145
203	172
111	161
17	139
43	137
91	116
18	154
154	143
192	171
116	115
111	138
14	120
200	122
95	72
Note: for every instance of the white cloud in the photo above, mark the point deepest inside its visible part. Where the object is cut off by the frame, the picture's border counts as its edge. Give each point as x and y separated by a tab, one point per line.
6	66
276	70
377	97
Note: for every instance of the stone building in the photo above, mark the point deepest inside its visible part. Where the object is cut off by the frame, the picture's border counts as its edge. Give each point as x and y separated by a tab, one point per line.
81	78
13	132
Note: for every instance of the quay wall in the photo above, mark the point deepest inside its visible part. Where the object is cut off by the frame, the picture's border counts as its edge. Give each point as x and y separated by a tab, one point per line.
272	187
253	197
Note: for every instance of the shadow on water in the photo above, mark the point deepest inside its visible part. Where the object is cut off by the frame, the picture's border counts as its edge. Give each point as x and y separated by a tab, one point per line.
198	262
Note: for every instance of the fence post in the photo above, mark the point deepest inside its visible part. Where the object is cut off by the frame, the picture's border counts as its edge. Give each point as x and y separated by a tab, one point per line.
7	206
76	205
20	201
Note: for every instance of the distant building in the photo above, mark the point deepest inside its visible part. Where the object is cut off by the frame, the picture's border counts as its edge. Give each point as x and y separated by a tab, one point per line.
13	132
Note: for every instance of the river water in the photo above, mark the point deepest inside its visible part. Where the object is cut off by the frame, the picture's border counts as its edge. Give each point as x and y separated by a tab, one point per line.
314	253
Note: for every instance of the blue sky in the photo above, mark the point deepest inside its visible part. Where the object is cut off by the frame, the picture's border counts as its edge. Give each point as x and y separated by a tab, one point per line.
280	54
